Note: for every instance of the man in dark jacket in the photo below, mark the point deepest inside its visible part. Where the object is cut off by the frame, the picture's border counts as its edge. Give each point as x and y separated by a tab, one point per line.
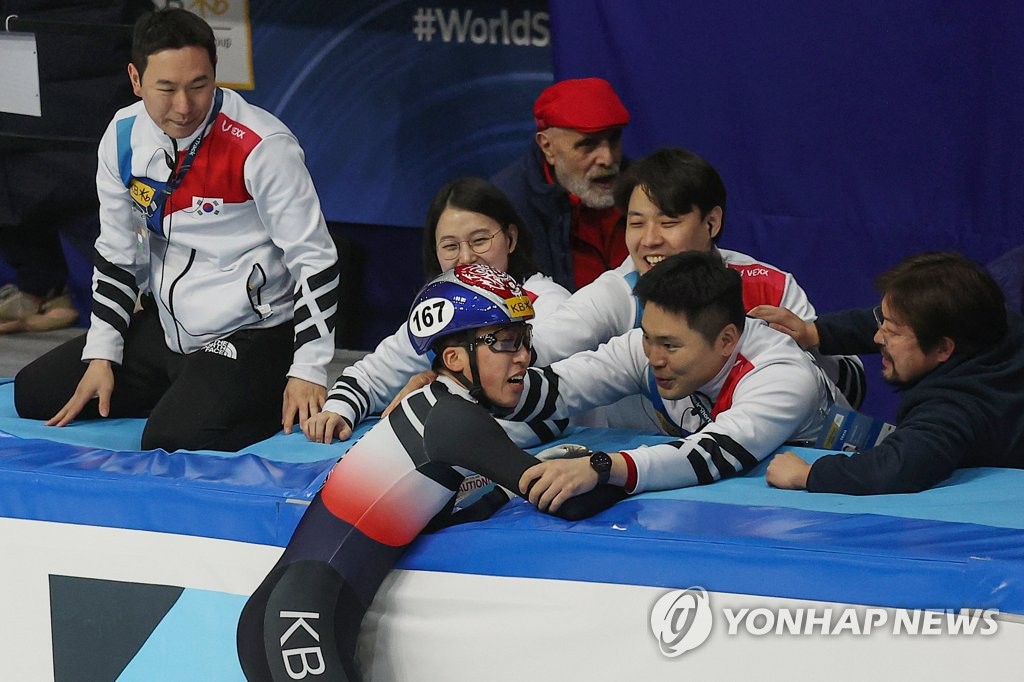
48	163
950	346
562	188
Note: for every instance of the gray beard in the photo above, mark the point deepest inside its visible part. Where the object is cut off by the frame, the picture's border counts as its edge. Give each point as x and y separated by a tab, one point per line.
592	197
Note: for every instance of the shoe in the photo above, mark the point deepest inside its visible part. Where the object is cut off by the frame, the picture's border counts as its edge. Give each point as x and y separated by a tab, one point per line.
15	304
55	313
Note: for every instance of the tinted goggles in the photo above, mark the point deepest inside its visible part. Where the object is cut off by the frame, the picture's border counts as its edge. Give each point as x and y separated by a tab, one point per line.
507	340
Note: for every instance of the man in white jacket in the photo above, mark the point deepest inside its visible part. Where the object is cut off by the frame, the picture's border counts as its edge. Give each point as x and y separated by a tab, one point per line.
673	201
731	388
208	212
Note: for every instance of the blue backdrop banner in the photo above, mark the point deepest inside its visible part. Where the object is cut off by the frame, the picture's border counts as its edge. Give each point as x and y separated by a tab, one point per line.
390	100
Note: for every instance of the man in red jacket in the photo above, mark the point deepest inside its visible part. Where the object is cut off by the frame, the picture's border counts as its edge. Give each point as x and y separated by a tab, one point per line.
562	188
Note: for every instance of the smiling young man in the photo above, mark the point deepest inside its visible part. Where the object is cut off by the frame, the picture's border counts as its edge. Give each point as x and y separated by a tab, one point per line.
673	201
562	188
731	388
207	211
404	472
955	353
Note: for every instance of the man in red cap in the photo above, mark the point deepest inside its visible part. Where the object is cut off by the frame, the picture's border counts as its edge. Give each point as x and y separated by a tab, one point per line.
562	188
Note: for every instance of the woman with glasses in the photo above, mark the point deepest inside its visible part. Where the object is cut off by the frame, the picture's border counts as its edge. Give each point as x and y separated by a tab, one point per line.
405	471
469	221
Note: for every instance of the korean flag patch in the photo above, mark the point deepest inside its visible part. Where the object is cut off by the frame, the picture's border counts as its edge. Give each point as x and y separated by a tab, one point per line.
205	206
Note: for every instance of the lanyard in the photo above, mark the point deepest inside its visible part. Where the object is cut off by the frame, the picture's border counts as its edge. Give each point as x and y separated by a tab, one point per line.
178	175
669	425
697	399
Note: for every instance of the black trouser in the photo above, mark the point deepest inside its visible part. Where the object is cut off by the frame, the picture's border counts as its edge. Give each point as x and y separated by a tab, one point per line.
37	258
199	401
45	193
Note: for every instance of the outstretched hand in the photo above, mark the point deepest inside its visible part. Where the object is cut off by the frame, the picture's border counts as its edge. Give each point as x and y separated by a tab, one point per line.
323	427
417	382
97	382
787	322
788	471
549	484
302	400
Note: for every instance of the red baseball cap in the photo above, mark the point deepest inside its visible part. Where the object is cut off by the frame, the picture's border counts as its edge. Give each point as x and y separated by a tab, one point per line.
588	105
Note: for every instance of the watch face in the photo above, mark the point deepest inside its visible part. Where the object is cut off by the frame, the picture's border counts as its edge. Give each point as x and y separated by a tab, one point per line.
601	462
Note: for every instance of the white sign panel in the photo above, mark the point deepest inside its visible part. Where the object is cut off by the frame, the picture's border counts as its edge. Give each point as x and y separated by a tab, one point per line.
230	22
19	74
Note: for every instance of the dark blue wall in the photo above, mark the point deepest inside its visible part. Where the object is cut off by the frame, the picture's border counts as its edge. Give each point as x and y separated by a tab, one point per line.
849	135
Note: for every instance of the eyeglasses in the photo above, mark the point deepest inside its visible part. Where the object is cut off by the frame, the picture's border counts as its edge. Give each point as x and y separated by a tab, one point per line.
890	333
879	318
506	344
448	249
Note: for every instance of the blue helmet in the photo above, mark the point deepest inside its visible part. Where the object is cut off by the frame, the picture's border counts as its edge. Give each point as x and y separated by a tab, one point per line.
467	297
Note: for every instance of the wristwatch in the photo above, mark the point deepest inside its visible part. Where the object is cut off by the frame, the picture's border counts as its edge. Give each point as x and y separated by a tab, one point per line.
602	464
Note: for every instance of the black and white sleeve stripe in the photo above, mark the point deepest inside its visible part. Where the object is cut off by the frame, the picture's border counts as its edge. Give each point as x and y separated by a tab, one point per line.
851	381
407	422
538	403
316	306
548	430
711	457
347	390
114	293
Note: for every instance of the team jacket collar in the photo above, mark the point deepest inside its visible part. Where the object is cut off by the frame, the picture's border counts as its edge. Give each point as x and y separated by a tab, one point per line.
714	387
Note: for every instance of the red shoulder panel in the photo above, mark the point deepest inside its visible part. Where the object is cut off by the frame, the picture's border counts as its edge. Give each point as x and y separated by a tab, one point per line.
218	171
762	285
740	369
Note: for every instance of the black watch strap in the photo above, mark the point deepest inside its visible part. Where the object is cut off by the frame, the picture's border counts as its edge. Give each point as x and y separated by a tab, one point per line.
602	464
